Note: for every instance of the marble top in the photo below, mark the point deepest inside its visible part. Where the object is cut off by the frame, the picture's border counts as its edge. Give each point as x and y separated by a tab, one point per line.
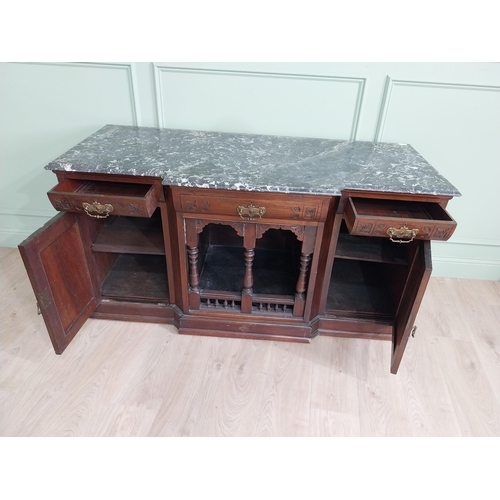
254	162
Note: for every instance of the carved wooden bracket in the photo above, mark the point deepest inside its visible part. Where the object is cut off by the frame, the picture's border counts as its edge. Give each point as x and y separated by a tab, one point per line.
239	227
297	230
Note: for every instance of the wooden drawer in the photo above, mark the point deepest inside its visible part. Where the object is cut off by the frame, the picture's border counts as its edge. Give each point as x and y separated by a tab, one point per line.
101	199
252	206
399	220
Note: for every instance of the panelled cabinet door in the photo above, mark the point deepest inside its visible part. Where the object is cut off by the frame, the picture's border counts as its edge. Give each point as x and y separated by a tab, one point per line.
58	268
418	277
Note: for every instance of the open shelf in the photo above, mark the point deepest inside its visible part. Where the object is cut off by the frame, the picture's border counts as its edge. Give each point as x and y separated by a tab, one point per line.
370	249
277	263
137	277
275	272
223	269
275	266
360	289
137	235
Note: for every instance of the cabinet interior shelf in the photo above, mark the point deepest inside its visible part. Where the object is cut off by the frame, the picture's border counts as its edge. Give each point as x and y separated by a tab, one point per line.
137	277
360	289
138	235
370	249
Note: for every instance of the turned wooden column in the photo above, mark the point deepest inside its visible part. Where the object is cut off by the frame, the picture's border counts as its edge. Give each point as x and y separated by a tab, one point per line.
192	251
249	245
300	290
305	259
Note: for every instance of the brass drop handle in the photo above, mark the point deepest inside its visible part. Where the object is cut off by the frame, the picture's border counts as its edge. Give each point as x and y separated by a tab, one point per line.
250	211
97	210
403	234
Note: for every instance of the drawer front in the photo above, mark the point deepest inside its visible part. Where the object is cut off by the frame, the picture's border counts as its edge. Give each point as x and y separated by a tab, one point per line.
251	207
401	221
102	199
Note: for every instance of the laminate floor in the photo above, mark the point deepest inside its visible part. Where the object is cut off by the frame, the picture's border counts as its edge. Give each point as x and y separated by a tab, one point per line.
133	379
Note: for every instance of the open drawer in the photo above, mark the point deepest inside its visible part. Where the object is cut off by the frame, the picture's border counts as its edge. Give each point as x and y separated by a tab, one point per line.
100	199
401	221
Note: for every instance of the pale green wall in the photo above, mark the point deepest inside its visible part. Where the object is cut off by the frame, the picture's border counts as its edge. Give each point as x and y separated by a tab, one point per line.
450	112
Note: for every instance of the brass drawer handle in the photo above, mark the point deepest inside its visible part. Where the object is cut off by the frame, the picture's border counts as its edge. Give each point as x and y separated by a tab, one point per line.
250	211
97	210
403	234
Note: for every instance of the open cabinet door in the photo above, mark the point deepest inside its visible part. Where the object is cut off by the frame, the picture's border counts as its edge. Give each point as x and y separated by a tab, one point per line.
418	277
57	263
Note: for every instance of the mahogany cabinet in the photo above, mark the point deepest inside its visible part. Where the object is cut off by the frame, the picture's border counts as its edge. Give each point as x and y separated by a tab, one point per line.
237	263
243	264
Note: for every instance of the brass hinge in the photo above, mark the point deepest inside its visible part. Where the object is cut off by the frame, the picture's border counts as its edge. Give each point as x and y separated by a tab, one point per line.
43	299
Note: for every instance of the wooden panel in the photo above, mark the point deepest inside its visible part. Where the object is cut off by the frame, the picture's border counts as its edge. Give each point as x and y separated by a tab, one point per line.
58	269
250	327
278	206
418	277
137	200
135	311
372	217
338	326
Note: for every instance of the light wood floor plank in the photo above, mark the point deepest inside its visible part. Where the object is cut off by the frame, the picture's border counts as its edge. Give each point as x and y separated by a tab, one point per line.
100	381
48	391
382	406
428	401
480	317
133	379
236	401
185	395
476	405
285	406
334	392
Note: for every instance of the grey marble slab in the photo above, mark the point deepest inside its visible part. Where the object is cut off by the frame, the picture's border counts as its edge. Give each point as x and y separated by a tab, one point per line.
254	162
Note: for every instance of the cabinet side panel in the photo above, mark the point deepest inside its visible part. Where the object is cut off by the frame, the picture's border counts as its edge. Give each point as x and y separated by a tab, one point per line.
324	266
63	263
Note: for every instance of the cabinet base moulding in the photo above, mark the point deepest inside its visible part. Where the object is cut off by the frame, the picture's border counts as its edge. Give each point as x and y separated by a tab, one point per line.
337	327
138	312
246	329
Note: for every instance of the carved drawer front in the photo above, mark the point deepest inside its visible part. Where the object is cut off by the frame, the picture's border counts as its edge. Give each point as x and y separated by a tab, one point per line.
102	199
401	221
254	207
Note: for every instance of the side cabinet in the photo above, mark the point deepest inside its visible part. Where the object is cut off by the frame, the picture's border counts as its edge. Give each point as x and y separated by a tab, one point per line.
380	264
106	255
